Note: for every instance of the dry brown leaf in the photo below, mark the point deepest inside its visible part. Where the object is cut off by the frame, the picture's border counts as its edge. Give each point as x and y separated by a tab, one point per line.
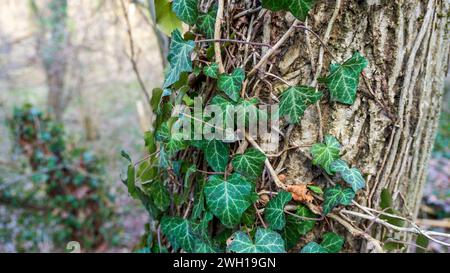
300	193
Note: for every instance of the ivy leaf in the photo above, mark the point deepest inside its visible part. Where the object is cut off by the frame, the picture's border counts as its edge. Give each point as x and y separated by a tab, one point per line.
216	153
350	175
179	58
266	241
295	100
231	84
250	163
211	70
296	227
275	5
160	195
315	189
313	247
300	8
336	195
228	199
206	22
166	19
186	10
179	232
332	242
325	153
274	211
343	80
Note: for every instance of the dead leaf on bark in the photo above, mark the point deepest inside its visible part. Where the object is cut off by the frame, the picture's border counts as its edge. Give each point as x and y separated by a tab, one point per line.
300	193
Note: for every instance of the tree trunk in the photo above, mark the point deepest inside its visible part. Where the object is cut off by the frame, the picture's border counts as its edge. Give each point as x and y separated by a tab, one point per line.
388	135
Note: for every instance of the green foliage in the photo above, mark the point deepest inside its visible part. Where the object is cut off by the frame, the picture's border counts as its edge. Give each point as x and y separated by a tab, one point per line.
67	183
386	204
337	196
206	22
179	58
217	155
166	19
298	8
228	199
343	80
274	212
296	227
179	232
186	10
325	153
250	163
160	195
231	84
331	243
350	175
295	100
211	70
266	241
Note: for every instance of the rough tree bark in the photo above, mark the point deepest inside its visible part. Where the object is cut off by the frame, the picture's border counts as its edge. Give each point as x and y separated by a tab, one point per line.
389	131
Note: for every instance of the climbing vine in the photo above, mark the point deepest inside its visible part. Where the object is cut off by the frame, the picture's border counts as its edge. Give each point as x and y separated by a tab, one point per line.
207	195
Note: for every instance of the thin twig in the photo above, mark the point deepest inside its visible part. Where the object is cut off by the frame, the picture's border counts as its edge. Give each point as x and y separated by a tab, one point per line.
217	36
233	41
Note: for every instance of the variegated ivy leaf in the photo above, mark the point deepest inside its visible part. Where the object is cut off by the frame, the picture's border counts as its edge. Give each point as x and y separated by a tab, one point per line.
298	8
250	163
211	70
179	58
231	84
179	233
266	241
350	175
336	196
332	242
206	22
159	194
204	246
313	247
325	153
228	199
217	153
295	100
343	80
186	10
296	227
274	211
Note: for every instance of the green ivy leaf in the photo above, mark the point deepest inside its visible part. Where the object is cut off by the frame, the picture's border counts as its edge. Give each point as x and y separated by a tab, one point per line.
325	153
266	241
211	70
315	189
295	100
250	163
166	19
217	153
343	80
160	195
206	23
275	5
313	247
296	227
300	8
274	211
186	10
228	199
231	84
337	195
332	242
350	175
179	232
179	58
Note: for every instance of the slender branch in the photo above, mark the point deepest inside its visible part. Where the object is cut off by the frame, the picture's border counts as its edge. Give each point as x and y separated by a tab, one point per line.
272	50
132	56
217	36
233	41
